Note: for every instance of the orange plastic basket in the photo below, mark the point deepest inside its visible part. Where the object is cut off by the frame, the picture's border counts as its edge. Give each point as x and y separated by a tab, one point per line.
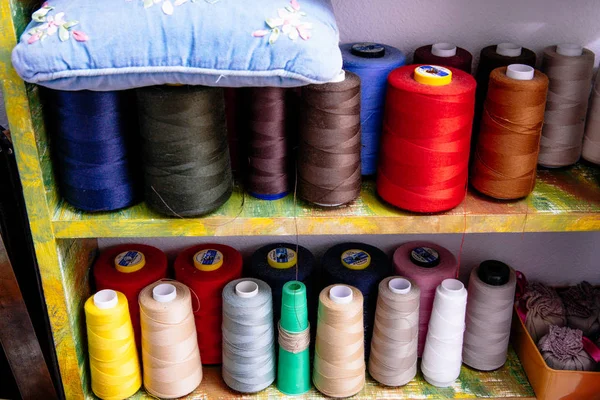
548	383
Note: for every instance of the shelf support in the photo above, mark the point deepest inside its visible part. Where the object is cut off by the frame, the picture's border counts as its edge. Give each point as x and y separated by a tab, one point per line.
24	115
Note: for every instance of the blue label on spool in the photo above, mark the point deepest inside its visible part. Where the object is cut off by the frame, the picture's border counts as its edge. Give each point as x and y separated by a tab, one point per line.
281	255
433	75
129	258
425	256
208	260
209	257
433	70
356	258
282	258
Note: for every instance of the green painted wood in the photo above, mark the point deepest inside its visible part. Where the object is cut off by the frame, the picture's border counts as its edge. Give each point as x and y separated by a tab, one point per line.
563	200
20	15
508	382
26	125
77	257
42	141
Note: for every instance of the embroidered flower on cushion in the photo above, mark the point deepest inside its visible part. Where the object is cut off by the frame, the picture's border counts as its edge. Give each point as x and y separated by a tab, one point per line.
288	22
51	24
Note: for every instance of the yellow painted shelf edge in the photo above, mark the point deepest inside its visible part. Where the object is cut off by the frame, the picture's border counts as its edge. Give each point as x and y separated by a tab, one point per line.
563	200
325	226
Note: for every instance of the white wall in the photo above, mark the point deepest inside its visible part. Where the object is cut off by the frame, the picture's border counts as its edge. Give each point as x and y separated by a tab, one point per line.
557	258
472	24
560	258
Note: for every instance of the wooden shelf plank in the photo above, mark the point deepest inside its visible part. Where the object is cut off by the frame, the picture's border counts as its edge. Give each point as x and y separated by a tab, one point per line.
508	382
563	200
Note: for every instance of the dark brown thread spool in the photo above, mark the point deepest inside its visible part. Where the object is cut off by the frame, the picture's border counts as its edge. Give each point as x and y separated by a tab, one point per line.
505	160
329	142
268	161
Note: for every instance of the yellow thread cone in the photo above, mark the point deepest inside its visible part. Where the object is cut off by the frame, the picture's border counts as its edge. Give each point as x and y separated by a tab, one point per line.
114	362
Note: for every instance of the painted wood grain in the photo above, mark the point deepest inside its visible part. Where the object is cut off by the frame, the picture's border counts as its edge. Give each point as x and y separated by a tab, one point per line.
22	106
77	257
508	382
563	200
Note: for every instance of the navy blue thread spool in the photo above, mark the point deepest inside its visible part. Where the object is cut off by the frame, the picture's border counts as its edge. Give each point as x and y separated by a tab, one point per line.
91	137
362	266
277	264
373	63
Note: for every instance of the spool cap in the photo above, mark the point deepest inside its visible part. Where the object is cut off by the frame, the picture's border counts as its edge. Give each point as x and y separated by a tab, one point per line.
294	311
130	261
356	259
246	289
208	260
368	50
282	258
425	257
106	299
341	294
520	72
443	49
164	293
569	49
509	49
494	272
400	285
452	287
433	75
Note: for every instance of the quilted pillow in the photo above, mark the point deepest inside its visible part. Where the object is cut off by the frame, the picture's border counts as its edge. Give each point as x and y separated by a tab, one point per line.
120	44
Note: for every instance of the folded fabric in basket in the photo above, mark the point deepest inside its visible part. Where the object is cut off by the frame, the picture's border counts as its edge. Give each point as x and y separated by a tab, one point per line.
562	348
544	308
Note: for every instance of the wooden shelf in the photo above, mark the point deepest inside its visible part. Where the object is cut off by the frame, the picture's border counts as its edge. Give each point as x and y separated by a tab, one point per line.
508	382
563	200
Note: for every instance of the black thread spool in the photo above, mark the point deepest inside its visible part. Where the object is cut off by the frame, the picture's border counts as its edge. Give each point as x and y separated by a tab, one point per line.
279	263
186	155
92	135
268	145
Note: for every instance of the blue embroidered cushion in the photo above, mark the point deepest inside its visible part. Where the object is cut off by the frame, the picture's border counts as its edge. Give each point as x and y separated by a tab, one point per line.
121	44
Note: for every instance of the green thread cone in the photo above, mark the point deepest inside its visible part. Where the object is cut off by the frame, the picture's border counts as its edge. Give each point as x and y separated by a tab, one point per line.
293	370
294	312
